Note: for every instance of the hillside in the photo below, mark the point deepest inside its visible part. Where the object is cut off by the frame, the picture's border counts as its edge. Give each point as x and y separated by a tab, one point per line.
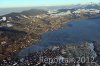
32	12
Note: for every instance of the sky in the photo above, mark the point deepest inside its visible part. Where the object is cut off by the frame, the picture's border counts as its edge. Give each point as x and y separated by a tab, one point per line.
33	3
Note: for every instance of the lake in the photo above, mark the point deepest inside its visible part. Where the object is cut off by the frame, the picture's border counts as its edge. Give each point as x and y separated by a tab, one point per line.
73	32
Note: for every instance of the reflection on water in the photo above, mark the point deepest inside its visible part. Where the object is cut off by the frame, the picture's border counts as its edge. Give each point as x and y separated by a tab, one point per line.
85	30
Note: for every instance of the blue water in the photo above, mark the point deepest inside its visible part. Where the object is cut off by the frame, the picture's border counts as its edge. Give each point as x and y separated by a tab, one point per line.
85	30
73	32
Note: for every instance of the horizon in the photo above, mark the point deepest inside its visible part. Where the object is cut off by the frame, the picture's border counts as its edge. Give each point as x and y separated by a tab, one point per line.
42	3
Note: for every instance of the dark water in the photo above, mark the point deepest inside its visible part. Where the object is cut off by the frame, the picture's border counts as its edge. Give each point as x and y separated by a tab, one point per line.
73	32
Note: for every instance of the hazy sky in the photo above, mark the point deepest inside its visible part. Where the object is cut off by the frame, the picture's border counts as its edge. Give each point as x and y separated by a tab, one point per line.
32	3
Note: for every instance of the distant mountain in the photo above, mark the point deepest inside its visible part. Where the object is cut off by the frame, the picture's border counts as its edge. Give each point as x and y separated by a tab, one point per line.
65	10
88	6
92	6
32	12
79	6
4	11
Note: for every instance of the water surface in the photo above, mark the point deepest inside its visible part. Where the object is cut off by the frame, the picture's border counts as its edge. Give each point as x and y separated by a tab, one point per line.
73	32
